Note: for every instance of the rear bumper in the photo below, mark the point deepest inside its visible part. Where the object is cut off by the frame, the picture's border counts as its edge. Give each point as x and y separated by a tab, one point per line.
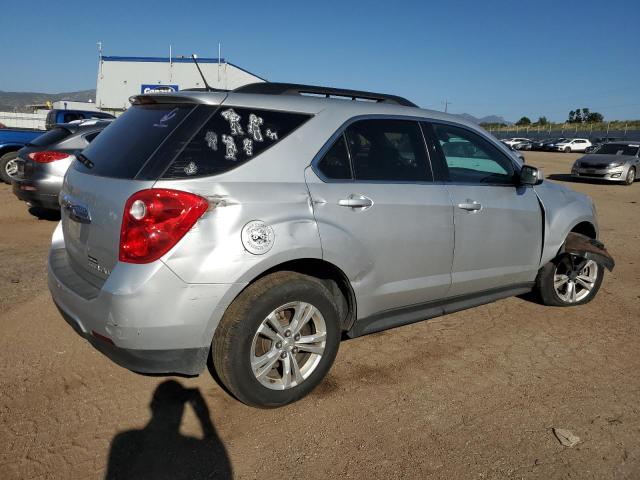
37	194
144	317
184	361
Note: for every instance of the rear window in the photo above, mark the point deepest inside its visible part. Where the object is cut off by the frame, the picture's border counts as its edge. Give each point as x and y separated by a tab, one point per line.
122	149
231	137
52	136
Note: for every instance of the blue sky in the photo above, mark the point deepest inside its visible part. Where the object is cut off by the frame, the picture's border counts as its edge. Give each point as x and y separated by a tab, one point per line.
508	58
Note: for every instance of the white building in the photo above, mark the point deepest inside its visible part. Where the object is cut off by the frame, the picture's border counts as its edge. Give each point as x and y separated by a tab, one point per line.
121	77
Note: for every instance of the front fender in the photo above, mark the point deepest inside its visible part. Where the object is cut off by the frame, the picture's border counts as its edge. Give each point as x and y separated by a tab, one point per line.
563	210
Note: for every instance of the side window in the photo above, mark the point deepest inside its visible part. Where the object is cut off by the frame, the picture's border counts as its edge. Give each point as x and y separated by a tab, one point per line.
389	150
89	138
70	117
231	137
335	163
472	159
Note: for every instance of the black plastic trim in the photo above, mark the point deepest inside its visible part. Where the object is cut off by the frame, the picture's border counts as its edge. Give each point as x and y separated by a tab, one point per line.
274	88
425	311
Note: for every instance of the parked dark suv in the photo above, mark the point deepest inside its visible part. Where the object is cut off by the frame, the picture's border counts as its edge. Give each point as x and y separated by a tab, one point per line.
43	162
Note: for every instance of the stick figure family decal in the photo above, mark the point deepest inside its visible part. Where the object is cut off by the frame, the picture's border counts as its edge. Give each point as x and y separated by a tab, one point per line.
254	131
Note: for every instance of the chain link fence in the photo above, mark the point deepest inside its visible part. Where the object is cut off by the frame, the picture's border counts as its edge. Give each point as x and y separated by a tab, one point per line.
567	131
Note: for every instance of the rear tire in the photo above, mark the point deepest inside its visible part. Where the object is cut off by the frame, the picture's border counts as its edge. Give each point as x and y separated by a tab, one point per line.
558	286
631	176
8	167
266	365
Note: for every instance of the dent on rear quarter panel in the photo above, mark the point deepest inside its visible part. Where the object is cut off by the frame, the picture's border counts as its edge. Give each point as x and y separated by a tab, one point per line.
563	210
213	252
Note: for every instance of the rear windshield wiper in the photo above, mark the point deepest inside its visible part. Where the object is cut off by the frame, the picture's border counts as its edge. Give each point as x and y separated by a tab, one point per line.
84	160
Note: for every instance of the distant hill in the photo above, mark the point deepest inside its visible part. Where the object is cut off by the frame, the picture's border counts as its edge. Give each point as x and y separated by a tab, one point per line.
486	119
18	101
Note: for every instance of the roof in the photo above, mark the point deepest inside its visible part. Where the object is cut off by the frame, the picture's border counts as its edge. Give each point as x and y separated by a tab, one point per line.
86	124
162	59
305	104
181	59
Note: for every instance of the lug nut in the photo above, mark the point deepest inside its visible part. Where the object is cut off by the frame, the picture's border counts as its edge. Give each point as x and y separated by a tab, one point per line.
296	337
283	355
294	350
287	333
279	345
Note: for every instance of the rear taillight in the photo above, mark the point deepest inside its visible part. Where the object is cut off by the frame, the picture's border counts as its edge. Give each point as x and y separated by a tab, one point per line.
48	156
155	220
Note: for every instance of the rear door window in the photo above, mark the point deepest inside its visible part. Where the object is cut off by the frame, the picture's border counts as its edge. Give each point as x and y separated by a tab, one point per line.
388	150
230	138
123	148
335	163
70	117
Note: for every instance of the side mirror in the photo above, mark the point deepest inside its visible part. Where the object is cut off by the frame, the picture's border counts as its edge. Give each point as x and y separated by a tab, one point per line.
530	175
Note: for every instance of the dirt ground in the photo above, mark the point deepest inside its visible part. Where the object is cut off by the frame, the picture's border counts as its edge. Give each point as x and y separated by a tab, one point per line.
469	395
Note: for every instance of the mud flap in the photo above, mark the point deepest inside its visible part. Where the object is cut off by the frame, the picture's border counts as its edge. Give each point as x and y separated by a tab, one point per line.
588	248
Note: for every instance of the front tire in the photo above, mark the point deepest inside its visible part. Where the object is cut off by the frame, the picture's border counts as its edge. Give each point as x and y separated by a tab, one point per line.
277	340
569	280
8	166
567	149
631	176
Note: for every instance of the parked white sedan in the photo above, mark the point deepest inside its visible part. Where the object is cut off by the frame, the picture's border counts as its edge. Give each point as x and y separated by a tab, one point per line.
573	145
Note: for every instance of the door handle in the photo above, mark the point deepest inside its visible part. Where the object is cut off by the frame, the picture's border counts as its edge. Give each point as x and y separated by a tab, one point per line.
356	201
470	205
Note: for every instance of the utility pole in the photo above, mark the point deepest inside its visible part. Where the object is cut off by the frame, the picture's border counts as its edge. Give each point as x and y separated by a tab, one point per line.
446	105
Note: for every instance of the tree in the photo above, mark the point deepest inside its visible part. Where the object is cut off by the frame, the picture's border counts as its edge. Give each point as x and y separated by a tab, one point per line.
585	114
594	117
523	121
542	121
572	116
578	116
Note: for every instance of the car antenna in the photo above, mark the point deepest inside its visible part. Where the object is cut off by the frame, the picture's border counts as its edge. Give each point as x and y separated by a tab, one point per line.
206	85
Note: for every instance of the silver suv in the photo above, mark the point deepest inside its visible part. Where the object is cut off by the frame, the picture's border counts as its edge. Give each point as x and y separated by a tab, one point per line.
258	226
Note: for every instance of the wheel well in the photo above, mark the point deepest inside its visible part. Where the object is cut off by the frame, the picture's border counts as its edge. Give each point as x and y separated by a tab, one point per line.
585	228
8	150
334	278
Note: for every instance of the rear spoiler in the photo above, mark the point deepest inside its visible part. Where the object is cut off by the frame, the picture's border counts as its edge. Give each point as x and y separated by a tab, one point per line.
150	99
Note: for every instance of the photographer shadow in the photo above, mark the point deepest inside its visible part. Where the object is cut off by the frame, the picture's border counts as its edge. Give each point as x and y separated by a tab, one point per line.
160	451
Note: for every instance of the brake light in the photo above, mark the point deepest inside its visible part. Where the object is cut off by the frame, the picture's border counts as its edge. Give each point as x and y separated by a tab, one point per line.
155	220
47	156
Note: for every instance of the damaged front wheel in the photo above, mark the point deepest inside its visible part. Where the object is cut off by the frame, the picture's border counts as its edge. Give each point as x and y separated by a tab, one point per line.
569	280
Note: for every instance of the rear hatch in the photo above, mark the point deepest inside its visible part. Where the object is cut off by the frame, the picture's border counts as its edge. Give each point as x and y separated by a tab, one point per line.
26	166
128	156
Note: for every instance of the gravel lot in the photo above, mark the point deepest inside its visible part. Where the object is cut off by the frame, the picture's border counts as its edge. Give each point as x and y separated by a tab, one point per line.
469	395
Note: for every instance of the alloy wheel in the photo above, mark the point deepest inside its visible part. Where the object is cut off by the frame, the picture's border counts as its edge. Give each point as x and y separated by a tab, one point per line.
288	345
574	278
11	167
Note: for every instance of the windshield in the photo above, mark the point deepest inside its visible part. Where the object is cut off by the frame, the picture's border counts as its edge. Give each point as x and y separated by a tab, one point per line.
619	149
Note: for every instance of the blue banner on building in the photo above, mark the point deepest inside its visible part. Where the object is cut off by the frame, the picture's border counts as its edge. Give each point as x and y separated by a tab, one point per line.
158	88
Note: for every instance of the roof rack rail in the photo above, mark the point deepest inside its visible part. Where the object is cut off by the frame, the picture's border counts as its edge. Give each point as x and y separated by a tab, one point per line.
274	88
